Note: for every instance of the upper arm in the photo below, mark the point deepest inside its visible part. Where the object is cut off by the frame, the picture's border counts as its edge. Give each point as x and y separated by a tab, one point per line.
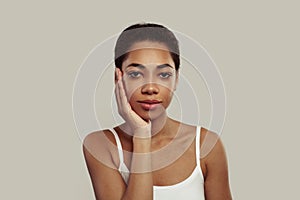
106	179
216	182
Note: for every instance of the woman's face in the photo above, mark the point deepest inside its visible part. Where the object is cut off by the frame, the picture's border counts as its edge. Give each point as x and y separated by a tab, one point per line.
150	78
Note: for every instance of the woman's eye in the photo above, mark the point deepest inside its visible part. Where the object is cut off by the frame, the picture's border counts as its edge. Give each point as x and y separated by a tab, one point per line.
165	75
134	74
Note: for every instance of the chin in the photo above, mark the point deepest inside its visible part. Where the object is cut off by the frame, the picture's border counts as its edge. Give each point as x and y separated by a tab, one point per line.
150	115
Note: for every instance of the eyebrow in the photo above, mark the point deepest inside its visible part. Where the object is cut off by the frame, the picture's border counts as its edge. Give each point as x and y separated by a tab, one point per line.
143	67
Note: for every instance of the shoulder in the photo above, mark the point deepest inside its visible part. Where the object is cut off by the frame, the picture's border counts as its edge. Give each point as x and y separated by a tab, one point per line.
214	163
102	138
209	142
100	146
212	151
100	151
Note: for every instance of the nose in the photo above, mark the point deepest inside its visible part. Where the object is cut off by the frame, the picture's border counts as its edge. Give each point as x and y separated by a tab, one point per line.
150	88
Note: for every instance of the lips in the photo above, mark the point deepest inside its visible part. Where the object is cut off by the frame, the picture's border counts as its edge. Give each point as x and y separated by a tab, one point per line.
149	104
150	101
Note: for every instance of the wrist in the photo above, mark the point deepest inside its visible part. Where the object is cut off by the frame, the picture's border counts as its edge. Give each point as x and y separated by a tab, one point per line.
142	132
141	162
141	145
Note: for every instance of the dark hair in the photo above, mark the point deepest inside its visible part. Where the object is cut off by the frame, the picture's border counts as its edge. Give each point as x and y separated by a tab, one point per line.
146	32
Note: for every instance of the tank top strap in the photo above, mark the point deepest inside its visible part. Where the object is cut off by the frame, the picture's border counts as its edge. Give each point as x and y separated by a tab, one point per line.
119	145
124	171
198	131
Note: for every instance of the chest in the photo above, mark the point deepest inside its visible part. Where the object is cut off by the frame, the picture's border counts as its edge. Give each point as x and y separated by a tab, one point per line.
172	162
176	172
171	165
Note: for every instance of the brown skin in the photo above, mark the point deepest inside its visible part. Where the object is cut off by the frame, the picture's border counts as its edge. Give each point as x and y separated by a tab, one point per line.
100	145
108	184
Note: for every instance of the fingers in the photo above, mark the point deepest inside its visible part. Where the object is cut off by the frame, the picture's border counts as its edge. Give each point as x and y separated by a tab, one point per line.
123	104
122	94
118	74
117	92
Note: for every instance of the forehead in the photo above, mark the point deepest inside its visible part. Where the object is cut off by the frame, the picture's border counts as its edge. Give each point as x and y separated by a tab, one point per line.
148	44
149	53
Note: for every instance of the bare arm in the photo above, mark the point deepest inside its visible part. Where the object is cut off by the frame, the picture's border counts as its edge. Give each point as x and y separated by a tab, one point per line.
140	183
216	179
107	181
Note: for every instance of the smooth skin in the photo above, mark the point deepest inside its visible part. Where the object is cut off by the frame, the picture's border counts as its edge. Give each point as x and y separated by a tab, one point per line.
150	131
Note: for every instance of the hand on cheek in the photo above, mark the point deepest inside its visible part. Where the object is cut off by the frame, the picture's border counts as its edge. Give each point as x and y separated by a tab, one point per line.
136	123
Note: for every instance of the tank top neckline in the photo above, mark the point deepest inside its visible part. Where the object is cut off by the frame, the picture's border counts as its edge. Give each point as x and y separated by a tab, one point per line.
125	171
181	183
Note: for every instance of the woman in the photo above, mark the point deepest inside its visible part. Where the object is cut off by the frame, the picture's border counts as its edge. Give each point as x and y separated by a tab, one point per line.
150	155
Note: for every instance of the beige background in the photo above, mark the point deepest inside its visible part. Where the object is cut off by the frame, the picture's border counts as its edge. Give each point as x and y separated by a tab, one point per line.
254	43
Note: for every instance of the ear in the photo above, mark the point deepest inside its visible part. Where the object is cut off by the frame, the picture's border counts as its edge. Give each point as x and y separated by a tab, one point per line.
176	81
116	75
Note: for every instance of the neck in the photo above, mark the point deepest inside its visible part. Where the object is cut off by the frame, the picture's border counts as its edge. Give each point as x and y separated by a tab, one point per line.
162	126
158	124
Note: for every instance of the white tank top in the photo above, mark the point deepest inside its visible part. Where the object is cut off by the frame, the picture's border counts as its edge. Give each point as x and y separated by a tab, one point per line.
191	188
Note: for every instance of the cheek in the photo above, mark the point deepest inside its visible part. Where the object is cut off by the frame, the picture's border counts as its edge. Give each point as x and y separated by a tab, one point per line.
131	88
169	84
167	95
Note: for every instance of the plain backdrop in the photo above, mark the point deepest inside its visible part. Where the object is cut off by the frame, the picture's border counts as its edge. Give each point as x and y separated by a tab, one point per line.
255	44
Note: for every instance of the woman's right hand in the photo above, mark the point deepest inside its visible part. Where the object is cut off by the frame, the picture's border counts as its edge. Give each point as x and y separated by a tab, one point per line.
138	126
